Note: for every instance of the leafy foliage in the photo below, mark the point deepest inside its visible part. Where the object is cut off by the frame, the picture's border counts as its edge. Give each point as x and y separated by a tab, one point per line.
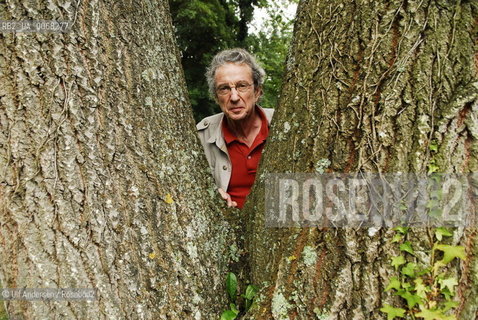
392	312
202	29
270	45
205	27
231	286
427	290
236	306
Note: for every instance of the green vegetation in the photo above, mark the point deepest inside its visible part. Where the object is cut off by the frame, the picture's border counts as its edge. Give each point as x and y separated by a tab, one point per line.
236	305
270	45
428	290
204	28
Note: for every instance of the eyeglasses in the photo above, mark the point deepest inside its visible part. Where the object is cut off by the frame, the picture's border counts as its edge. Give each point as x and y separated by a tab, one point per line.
240	86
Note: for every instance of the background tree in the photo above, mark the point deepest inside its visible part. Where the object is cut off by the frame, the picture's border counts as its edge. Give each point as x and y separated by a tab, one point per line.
97	145
204	28
370	86
270	45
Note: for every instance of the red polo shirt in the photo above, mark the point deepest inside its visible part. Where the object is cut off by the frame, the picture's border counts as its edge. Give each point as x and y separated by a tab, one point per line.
244	160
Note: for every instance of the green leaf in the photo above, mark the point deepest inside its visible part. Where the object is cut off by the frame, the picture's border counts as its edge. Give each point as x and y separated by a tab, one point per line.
397	238
423	272
412	299
433	147
250	292
451	252
407	247
234	308
449	283
231	286
450	305
432	168
402	230
420	288
398	261
406	285
442	232
433	315
392	312
446	293
393	284
228	315
409	269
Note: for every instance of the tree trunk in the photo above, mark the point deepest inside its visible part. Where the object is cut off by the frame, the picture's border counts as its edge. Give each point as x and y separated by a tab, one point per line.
371	86
98	188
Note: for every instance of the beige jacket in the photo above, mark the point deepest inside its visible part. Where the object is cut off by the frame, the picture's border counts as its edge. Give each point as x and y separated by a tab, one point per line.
212	139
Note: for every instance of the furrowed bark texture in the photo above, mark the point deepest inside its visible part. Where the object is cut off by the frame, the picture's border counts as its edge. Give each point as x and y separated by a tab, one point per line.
370	86
103	181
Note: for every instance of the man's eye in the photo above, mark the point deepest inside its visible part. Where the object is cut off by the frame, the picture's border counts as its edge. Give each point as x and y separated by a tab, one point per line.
223	88
241	85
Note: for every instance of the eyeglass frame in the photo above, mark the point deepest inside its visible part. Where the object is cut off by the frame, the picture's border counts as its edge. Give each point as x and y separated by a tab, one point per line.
229	88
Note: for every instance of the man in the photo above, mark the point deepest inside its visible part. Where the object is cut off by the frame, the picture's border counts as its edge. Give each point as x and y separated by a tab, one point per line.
233	139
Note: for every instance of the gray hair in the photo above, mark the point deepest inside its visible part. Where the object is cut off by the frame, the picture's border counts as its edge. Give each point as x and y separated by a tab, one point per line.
237	56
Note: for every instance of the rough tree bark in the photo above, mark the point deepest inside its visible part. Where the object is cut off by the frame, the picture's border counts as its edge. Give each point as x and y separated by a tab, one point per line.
370	86
98	146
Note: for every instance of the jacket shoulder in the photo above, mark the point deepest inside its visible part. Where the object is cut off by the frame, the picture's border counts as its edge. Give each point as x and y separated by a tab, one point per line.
209	121
269	112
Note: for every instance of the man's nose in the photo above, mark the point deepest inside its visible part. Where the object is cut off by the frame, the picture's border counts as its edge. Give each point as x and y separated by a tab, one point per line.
234	94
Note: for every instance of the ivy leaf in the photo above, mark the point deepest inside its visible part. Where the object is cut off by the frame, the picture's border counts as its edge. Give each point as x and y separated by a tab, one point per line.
409	269
412	299
446	293
228	315
406	285
451	252
423	271
449	305
407	247
402	230
392	312
398	261
442	232
434	315
397	238
420	288
394	284
231	286
432	168
449	283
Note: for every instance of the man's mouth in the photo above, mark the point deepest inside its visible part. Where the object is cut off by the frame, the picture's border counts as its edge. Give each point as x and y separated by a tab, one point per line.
236	109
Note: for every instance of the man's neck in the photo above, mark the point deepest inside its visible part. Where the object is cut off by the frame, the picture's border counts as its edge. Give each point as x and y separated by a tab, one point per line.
246	129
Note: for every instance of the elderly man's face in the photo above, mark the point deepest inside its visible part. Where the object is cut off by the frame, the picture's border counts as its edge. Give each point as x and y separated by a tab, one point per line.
236	105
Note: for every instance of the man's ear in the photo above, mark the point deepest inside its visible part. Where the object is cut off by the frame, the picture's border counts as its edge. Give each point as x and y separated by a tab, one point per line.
258	93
